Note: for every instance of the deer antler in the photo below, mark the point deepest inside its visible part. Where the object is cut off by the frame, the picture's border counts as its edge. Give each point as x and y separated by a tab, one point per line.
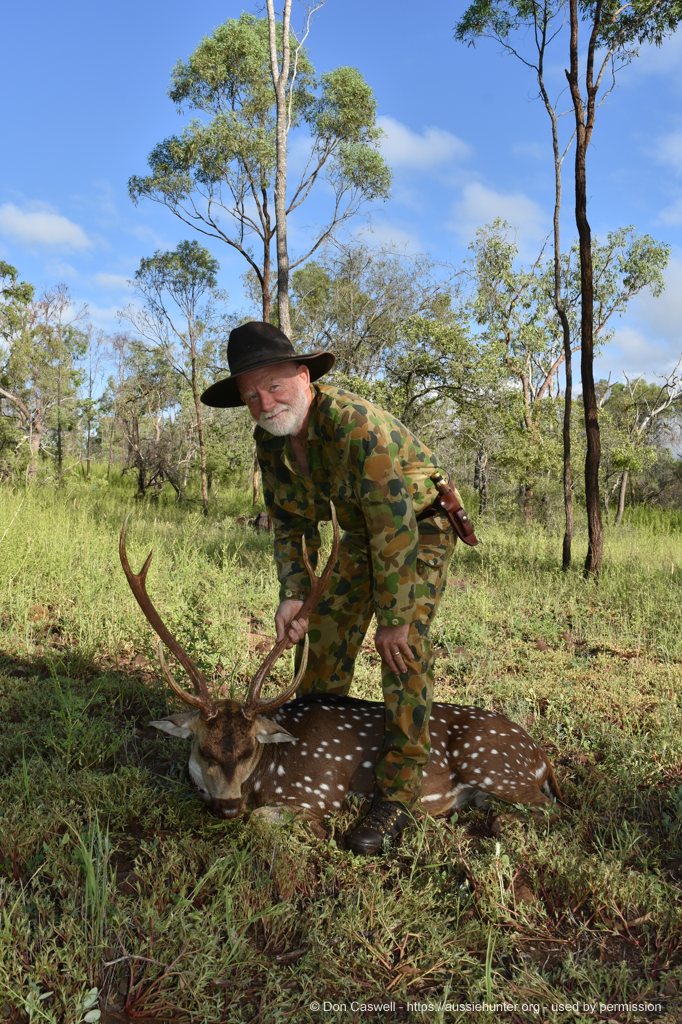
201	699
254	705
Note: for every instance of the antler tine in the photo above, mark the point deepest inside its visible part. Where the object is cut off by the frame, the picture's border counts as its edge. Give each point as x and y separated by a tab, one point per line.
189	698
318	584
138	585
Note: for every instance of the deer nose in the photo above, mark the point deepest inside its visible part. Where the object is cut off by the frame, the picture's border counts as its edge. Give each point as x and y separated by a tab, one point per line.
226	808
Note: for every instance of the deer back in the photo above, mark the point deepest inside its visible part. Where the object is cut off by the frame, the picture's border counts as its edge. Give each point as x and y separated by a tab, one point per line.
313	752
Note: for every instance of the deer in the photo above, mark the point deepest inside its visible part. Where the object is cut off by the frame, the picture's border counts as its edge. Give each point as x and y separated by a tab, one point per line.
267	756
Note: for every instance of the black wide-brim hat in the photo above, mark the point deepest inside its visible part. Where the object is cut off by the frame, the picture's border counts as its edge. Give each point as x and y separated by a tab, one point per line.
252	346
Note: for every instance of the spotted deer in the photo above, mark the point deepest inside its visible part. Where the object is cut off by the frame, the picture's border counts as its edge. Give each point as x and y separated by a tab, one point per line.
307	755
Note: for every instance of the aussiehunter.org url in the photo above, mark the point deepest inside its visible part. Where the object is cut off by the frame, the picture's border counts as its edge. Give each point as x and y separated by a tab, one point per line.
327	1006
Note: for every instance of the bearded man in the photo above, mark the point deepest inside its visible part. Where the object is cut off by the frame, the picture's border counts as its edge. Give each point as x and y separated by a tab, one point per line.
318	444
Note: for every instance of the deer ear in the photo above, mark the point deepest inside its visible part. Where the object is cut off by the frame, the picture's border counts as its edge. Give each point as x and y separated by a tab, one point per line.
179	725
271	732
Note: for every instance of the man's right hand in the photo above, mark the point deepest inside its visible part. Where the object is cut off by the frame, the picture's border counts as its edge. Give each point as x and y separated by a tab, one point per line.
287	623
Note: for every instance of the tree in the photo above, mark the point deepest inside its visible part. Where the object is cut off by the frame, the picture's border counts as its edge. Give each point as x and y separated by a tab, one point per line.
16	307
614	33
218	175
633	410
178	316
88	406
355	300
499	21
513	306
142	403
42	341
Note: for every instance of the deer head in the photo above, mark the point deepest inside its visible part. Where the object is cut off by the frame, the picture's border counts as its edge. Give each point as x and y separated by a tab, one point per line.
227	737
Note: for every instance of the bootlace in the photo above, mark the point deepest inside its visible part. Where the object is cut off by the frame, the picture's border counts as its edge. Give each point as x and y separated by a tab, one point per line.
384	813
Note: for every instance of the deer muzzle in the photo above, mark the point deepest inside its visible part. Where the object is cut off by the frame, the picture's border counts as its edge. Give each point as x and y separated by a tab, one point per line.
225	808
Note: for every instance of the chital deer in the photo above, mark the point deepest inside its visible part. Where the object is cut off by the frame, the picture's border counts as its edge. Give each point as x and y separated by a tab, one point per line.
307	755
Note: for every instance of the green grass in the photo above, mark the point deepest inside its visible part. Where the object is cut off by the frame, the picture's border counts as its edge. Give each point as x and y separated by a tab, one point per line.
119	894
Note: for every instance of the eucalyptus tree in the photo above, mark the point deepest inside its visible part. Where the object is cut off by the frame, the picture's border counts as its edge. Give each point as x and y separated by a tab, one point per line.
16	309
613	33
219	175
142	402
633	411
499	20
513	307
355	300
42	340
179	289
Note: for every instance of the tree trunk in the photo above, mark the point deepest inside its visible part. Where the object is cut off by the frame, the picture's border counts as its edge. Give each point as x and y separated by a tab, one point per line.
567	466
199	419
265	283
34	442
280	77
593	561
255	482
622	491
565	330
481	480
527	502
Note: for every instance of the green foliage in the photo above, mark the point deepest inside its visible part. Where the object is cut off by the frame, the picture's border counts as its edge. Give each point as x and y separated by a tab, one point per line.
230	70
218	174
618	28
186	272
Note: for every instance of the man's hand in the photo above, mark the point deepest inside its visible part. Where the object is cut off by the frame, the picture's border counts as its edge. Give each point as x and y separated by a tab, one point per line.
391	643
286	621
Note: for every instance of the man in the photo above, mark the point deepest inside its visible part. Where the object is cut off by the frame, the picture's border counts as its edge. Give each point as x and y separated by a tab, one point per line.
316	444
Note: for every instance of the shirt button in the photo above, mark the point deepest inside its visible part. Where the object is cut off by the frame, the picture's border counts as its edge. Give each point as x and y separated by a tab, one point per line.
395	622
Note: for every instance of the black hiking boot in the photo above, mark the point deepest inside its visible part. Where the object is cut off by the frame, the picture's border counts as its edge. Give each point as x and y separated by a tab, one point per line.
384	821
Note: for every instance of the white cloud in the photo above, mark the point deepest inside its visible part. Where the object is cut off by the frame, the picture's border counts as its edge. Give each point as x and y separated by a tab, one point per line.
148	235
671	215
665	59
663	315
636	354
649	344
533	150
115	281
60	270
389	237
402	147
40	225
106	318
668	150
479	205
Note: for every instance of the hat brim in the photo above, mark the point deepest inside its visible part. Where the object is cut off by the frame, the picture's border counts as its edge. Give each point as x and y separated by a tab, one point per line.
224	394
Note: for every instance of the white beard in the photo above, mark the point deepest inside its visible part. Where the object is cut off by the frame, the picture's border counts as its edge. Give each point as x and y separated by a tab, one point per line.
287	418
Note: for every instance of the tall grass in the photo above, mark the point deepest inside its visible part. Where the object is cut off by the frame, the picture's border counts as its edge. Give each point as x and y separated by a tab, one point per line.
118	893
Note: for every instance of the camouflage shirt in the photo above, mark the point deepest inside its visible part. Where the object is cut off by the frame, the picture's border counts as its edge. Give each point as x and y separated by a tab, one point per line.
376	473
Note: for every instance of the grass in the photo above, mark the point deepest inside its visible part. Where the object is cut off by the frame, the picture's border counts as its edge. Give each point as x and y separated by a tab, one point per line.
122	899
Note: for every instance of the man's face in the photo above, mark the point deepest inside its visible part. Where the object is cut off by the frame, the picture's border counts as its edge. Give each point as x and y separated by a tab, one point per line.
278	397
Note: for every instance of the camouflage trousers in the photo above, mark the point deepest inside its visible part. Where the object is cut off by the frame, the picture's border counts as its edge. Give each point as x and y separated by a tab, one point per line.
337	630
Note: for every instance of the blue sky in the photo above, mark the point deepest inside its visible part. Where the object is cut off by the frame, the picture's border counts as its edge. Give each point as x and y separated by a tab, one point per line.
84	99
